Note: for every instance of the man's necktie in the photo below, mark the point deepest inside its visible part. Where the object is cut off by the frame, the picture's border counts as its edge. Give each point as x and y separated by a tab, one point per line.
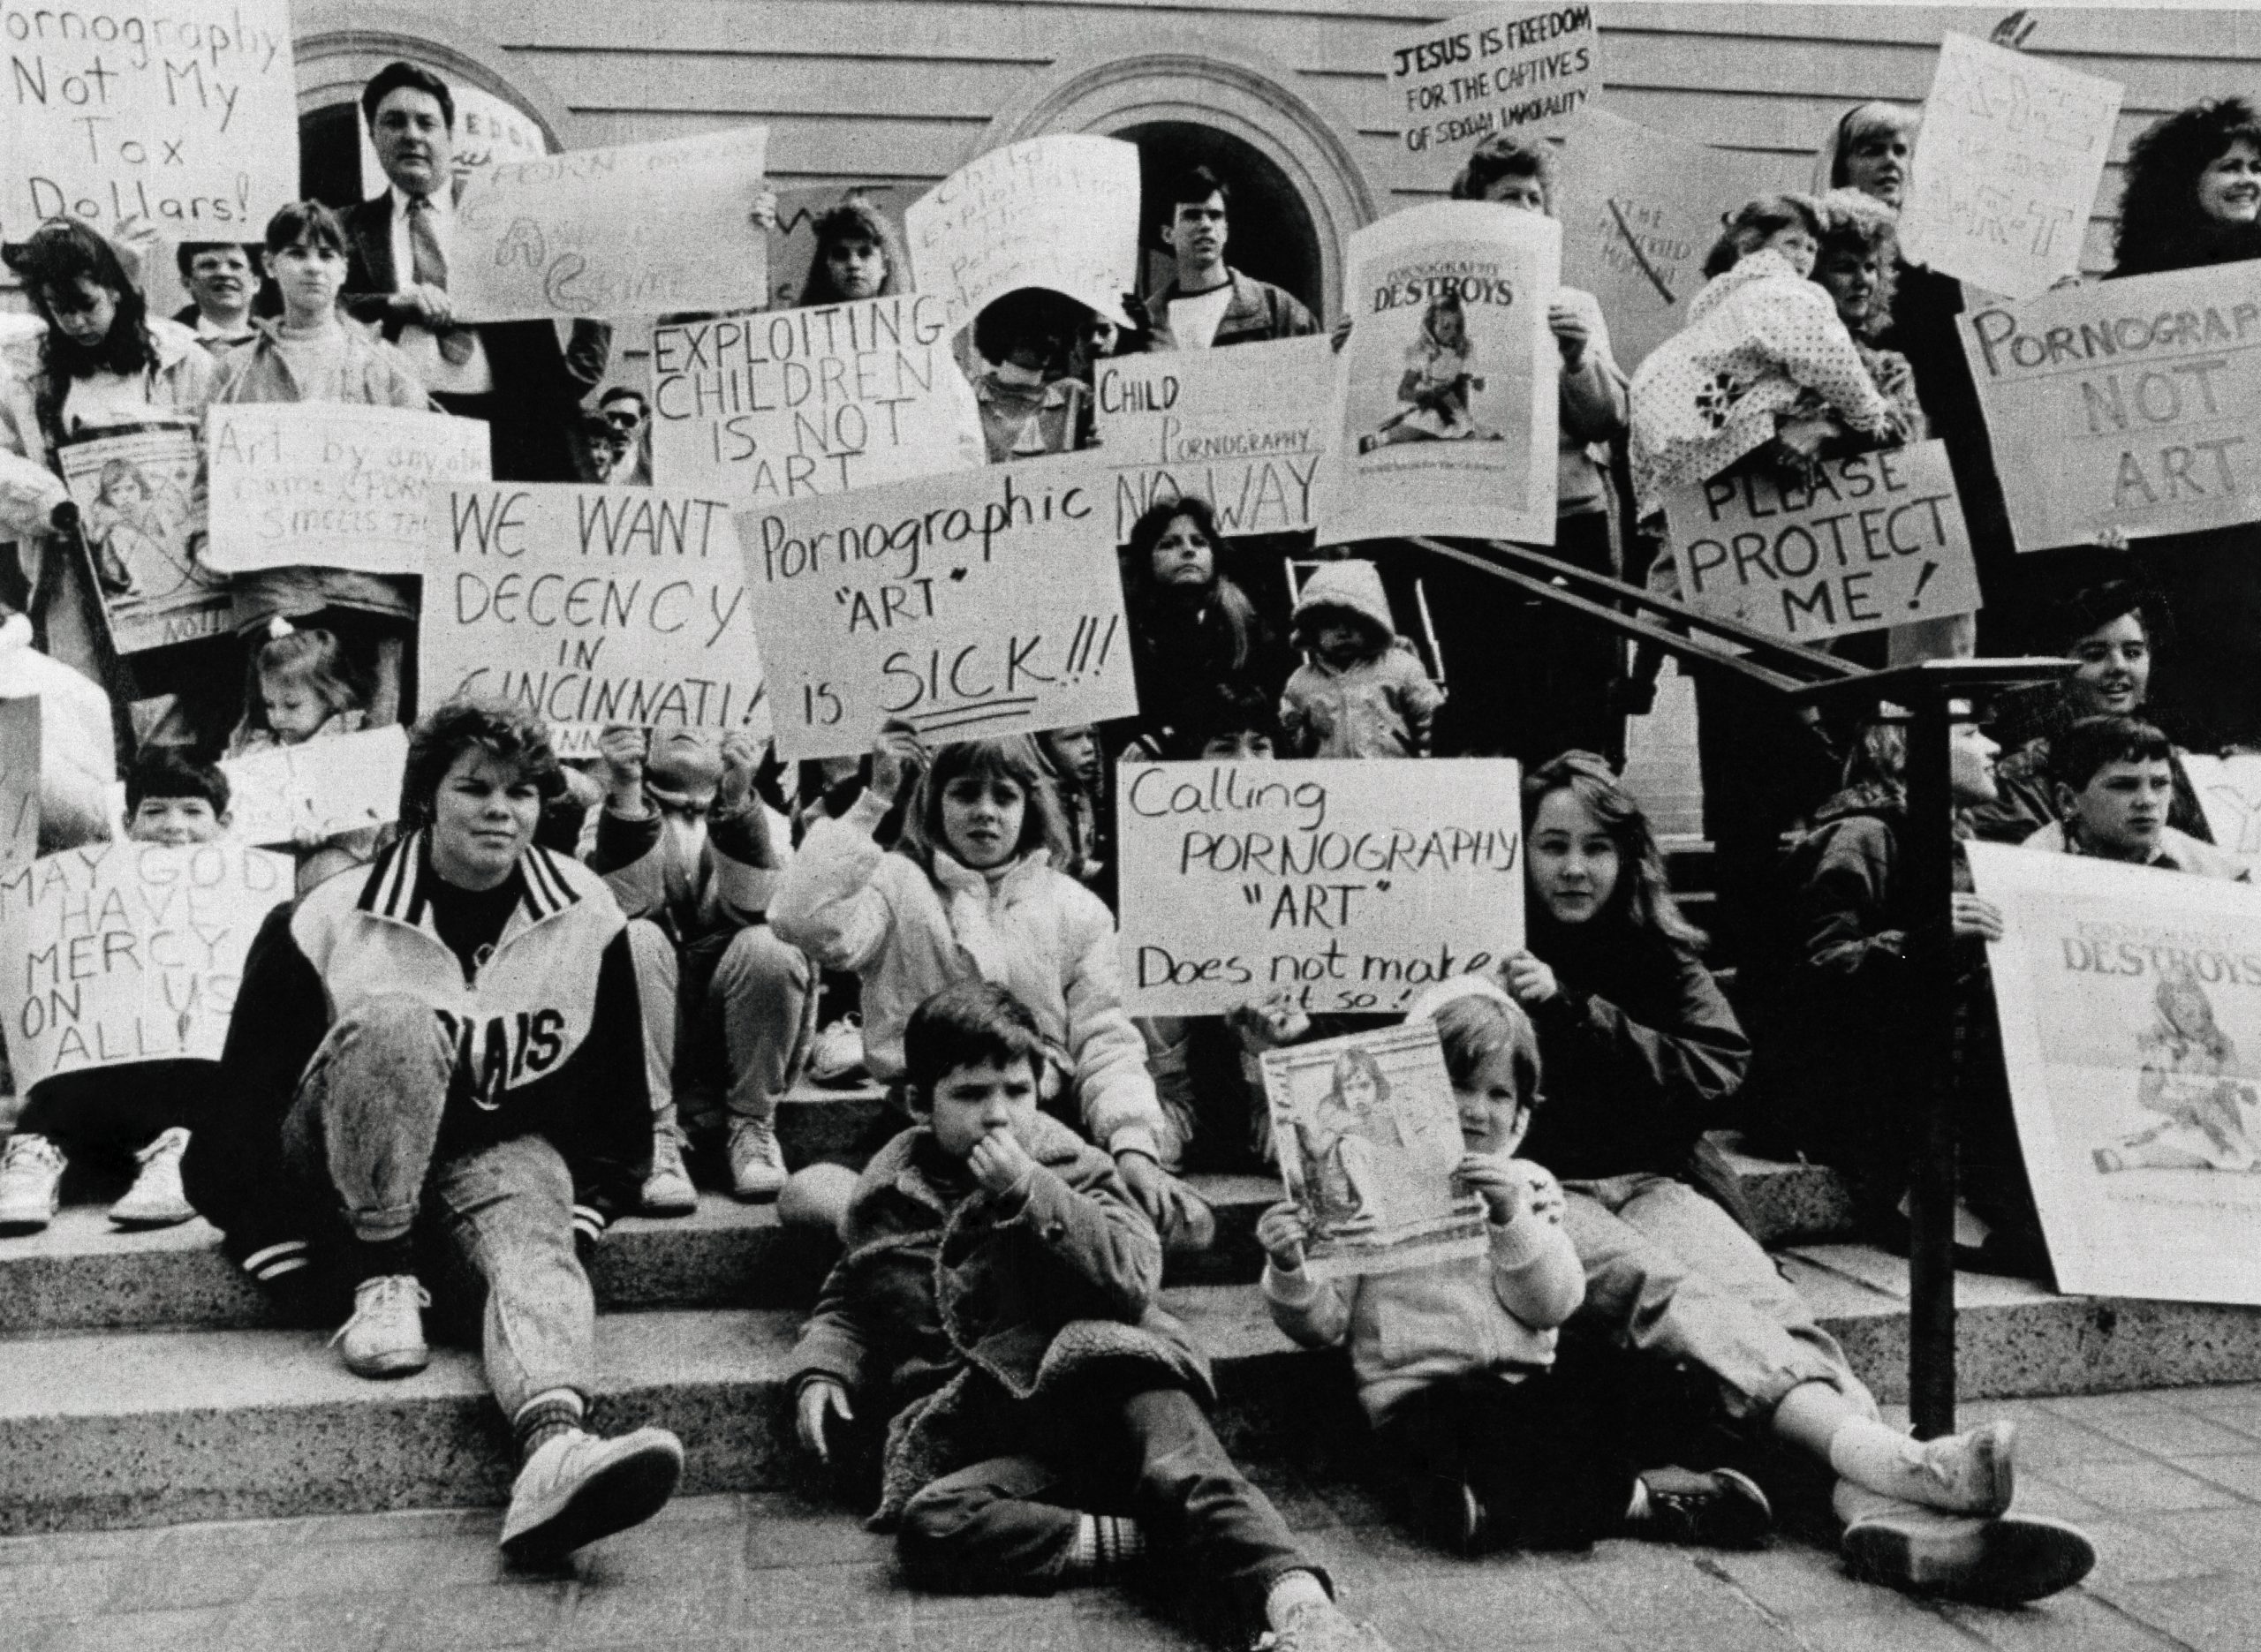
428	265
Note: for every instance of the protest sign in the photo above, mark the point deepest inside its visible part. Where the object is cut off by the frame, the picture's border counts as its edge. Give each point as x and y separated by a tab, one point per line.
1640	210
184	115
318	790
129	952
792	243
970	606
811	401
1510	68
2014	147
2131	1005
139	489
1059	212
1244	428
18	782
2229	793
332	484
591	605
1369	1137
1444	409
636	228
1878	541
2128	406
1334	878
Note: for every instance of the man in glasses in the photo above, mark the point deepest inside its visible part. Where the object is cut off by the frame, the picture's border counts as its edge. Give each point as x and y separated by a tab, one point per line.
626	419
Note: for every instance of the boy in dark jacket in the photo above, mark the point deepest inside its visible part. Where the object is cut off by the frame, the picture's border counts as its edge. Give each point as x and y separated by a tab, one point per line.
448	1040
997	1299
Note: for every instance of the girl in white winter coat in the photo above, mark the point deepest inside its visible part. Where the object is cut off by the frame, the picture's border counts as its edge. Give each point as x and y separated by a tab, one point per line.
971	889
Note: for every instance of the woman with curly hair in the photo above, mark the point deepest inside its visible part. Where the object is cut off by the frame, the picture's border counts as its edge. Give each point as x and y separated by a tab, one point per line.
856	256
2193	198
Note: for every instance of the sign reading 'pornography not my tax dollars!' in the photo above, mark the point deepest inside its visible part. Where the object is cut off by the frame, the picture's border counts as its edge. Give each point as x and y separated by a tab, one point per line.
968	606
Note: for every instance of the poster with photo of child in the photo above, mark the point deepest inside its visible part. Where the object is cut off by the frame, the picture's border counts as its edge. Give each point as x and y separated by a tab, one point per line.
1369	1136
140	490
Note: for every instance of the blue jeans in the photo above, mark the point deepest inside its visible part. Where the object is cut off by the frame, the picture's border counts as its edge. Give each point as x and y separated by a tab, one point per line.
738	1002
366	1123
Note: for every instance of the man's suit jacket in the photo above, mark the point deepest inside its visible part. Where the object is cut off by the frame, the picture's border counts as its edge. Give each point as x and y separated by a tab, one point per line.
538	388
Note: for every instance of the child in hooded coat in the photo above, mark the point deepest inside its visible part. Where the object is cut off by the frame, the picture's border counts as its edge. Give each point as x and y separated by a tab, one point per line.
1361	691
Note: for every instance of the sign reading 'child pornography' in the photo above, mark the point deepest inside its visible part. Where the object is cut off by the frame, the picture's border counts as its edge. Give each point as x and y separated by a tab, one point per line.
2014	147
592	604
2131	1005
1060	213
182	113
1244	428
968	606
129	952
1445	405
751	408
333	484
638	229
1878	539
2131	405
1343	881
1512	68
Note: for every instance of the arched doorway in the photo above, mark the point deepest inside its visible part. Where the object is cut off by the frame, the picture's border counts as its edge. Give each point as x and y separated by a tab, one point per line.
1270	236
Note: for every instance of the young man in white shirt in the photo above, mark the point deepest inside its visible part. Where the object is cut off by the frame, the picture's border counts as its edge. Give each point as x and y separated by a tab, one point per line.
1208	304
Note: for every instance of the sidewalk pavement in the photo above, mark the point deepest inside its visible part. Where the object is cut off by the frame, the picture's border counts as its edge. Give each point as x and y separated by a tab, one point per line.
2168	1483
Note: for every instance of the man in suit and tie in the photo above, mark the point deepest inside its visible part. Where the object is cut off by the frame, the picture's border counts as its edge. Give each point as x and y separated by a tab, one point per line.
510	374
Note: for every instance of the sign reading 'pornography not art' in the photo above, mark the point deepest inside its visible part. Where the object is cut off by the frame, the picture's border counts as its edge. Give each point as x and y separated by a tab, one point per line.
1512	68
813	401
182	114
1878	539
967	606
592	604
2131	405
1335	879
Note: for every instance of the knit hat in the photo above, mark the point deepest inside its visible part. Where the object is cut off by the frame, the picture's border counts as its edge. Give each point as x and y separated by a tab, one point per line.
1352	584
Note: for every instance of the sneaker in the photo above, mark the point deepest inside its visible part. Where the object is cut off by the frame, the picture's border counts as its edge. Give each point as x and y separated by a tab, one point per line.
837	1054
757	1162
155	1199
1718	1510
576	1488
1322	1626
2005	1562
385	1337
1966	1473
1450	1514
667	1190
30	1182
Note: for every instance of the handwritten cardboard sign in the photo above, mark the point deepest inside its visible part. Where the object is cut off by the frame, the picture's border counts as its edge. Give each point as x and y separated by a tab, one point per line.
1059	212
1245	429
1879	540
2131	1006
2131	405
1338	878
332	484
1445	404
318	791
970	606
129	952
1640	210
186	116
140	491
2012	148
636	229
811	401
1509	68
592	604
18	782
2229	794
1369	1137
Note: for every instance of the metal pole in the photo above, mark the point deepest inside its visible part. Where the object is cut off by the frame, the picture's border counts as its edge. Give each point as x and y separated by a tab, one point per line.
1927	854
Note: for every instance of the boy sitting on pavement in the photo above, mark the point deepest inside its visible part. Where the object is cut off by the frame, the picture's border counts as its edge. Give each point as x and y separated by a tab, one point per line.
143	1108
996	1298
2113	784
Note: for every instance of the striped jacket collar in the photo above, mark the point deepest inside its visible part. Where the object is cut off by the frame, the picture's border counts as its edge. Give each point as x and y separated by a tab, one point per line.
399	884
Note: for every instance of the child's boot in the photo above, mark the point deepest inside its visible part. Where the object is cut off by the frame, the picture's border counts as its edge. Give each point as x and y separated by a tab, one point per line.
1718	1510
155	1199
30	1182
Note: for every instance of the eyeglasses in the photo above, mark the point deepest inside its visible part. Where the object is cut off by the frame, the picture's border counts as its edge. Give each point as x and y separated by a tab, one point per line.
622	417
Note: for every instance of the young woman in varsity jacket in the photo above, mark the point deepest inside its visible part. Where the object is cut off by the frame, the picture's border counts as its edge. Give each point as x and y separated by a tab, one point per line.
439	1057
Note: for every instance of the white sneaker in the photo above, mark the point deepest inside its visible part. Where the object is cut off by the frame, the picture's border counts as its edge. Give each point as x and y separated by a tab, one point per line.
30	1182
1994	1562
385	1337
1965	1474
837	1054
667	1190
155	1199
576	1488
757	1161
